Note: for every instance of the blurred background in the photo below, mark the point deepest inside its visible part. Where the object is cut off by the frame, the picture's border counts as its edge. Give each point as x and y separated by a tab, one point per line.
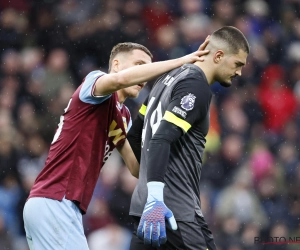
251	173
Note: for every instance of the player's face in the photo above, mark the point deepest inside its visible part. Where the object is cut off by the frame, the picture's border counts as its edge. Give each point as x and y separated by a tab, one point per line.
230	68
136	57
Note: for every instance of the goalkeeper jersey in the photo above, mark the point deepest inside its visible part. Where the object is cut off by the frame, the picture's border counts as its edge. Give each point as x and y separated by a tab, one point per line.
182	97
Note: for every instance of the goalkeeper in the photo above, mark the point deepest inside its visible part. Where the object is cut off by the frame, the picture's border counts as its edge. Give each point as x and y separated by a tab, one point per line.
168	138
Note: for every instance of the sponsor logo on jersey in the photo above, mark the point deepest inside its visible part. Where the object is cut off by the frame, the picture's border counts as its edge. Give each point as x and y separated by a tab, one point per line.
116	133
107	152
187	102
179	111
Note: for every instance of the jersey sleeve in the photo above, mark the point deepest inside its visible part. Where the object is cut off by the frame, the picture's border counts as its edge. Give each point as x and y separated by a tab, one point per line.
143	108
86	93
189	103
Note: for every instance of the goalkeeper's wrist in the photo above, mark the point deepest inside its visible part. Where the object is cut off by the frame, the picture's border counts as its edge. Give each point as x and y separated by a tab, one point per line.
155	191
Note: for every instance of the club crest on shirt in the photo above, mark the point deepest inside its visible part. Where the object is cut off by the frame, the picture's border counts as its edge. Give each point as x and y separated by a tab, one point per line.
187	102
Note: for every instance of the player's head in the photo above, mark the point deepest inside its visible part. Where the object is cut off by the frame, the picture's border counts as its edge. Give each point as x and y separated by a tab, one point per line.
229	49
125	55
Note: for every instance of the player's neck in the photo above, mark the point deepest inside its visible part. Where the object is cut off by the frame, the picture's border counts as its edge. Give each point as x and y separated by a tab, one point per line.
121	96
207	70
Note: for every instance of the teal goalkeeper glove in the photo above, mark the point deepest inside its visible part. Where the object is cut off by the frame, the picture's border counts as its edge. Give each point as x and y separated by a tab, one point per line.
152	228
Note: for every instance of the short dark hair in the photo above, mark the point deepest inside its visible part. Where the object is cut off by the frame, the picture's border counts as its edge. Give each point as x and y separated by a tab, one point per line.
233	37
126	47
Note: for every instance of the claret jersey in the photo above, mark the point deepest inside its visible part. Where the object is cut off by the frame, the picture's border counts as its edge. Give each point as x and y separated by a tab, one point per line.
181	97
90	128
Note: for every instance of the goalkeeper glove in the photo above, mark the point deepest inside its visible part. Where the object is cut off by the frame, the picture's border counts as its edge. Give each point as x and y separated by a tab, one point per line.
152	228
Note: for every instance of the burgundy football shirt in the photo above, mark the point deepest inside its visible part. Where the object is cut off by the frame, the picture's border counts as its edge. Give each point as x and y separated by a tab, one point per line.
89	130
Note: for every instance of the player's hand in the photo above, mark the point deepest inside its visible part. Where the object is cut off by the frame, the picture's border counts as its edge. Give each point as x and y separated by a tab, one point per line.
204	44
197	55
152	227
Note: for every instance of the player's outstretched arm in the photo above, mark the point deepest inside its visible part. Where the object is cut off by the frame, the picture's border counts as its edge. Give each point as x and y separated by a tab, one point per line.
129	158
112	82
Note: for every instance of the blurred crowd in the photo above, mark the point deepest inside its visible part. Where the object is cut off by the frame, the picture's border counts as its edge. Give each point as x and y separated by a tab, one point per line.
251	171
